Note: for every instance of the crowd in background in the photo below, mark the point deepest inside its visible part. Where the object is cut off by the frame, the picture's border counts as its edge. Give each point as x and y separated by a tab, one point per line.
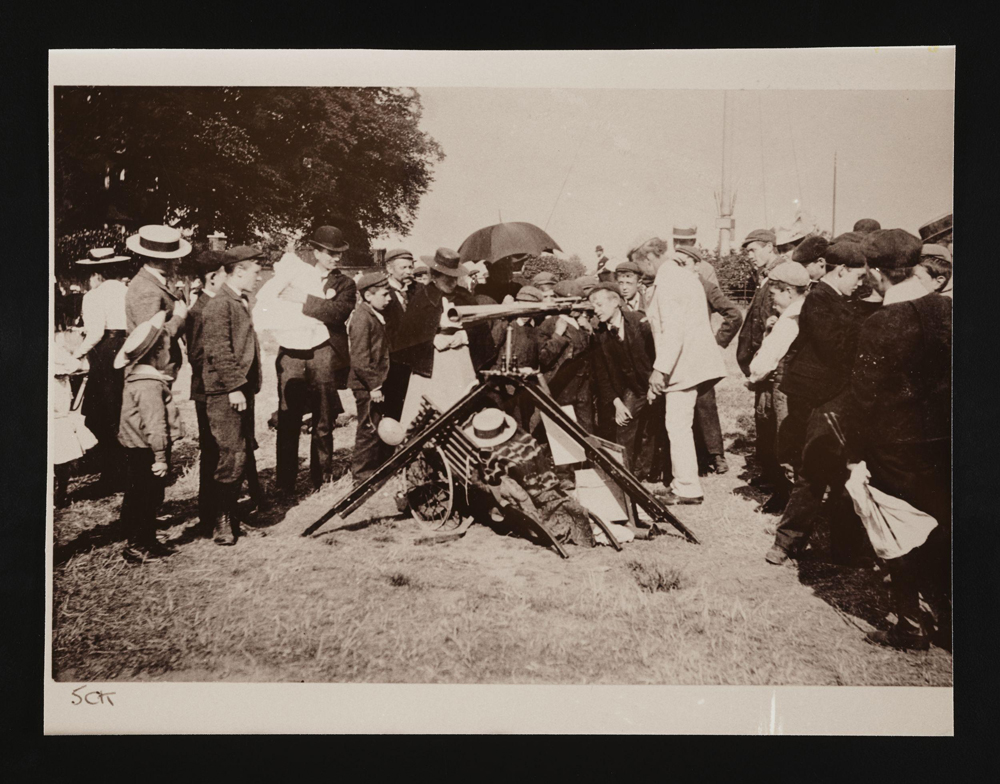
846	345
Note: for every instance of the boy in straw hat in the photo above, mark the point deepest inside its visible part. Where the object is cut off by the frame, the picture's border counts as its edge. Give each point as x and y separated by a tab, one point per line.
148	292
369	370
150	423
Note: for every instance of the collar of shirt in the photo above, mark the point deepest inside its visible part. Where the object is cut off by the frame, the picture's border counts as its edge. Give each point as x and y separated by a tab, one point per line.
393	283
617	323
239	295
909	289
155	273
376	314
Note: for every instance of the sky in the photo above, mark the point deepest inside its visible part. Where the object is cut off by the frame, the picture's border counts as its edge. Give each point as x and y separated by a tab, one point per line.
599	166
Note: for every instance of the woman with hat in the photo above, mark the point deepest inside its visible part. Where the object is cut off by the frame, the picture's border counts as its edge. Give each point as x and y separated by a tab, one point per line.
441	354
104	334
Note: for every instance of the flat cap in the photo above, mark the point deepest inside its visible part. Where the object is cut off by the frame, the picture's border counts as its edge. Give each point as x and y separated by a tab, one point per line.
867	225
569	288
606	285
687	250
544	278
369	279
398	253
759	235
209	261
790	272
530	294
847	254
892	249
810	249
243	253
849	236
587	283
936	252
628	266
641	239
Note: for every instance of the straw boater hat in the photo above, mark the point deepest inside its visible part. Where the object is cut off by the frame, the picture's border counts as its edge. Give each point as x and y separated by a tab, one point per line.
103	256
447	262
685	233
159	242
936	229
141	340
491	427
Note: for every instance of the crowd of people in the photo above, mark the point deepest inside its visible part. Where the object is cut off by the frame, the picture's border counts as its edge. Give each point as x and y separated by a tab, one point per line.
846	345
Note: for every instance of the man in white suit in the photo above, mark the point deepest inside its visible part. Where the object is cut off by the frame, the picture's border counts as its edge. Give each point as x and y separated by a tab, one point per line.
687	360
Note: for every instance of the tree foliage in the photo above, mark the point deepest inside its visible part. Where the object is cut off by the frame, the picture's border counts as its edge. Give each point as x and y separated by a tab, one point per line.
244	161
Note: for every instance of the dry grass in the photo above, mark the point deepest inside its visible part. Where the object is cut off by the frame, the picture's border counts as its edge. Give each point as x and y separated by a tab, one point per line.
366	604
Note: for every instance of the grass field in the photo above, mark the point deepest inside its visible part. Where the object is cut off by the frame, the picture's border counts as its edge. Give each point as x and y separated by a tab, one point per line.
368	604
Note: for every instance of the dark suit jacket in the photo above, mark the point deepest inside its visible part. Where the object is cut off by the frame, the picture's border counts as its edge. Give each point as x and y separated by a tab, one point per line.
146	297
624	365
194	330
725	307
565	359
825	347
415	341
369	350
393	314
231	351
752	333
902	375
334	312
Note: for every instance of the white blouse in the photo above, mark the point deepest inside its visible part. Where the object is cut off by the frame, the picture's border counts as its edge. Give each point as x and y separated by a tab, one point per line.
103	309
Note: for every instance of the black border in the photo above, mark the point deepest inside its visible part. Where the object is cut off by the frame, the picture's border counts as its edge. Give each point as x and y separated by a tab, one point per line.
23	341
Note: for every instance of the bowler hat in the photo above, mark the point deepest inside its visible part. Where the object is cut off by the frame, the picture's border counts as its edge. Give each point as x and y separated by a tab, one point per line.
847	254
529	294
628	266
491	427
810	249
102	256
606	285
892	249
936	229
141	340
209	261
447	262
369	279
159	242
398	253
867	225
790	272
329	238
759	235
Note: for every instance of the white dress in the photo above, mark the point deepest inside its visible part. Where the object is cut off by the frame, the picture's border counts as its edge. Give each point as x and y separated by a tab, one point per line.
70	436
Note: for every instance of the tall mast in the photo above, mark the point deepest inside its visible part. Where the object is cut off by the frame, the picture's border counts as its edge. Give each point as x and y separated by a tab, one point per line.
725	201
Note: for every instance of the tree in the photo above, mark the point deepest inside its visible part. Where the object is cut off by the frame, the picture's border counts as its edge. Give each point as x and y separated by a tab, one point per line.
249	162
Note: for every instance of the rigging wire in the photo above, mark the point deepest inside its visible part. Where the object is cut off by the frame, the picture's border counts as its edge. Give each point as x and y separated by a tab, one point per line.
795	157
583	137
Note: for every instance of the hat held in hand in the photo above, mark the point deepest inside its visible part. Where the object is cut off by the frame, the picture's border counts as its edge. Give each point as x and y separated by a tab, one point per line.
141	341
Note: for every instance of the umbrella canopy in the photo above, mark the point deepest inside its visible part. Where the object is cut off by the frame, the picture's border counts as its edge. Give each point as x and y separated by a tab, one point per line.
505	239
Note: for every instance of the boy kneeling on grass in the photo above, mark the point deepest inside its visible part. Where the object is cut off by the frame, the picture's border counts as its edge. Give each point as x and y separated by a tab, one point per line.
369	369
148	426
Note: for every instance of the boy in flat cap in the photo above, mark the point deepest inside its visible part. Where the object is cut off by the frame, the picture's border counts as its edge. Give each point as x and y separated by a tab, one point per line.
818	372
902	382
623	361
367	333
232	377
627	276
212	273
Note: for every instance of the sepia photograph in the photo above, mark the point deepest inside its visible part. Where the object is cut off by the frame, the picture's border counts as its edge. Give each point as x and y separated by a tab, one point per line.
631	382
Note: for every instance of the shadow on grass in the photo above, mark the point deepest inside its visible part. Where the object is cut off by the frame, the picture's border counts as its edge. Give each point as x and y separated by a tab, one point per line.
272	510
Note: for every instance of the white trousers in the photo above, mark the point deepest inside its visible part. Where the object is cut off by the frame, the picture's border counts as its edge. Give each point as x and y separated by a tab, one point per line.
679	422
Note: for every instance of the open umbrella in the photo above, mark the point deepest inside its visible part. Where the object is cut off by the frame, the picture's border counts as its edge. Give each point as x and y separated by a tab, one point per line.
506	239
